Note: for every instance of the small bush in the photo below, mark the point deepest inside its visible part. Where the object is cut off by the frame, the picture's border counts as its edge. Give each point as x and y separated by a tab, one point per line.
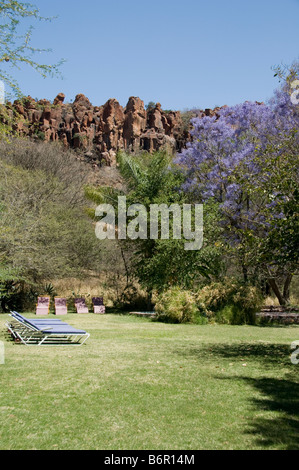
214	297
230	302
224	315
132	298
178	306
246	303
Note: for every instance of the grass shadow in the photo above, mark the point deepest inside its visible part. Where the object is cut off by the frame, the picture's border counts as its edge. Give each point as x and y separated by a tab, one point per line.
266	355
275	421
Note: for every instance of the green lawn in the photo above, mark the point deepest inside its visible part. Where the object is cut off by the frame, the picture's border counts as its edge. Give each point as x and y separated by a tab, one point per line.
138	384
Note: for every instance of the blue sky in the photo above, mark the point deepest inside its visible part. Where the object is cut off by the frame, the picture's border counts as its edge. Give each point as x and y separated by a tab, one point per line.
181	53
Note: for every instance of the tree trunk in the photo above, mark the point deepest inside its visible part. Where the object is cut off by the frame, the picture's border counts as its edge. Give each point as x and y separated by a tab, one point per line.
245	273
276	290
286	287
125	264
149	301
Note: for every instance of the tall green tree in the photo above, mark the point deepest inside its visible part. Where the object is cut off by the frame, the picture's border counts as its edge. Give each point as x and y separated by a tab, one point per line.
156	263
272	238
246	160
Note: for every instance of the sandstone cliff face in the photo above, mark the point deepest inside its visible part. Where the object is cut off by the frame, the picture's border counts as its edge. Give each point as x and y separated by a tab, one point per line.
101	131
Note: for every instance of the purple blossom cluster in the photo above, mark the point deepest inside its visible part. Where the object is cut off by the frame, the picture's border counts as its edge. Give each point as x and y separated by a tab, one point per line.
227	151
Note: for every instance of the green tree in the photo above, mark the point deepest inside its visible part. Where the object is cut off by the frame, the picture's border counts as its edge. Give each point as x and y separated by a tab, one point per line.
150	105
271	242
157	264
16	49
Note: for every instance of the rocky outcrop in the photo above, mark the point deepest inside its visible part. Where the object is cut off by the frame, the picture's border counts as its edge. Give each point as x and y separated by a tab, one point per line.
135	124
100	131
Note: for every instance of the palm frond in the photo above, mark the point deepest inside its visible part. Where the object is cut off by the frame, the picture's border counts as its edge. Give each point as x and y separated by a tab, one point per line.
103	195
130	168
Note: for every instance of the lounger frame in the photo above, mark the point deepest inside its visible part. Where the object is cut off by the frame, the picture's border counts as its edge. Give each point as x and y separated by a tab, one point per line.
42	332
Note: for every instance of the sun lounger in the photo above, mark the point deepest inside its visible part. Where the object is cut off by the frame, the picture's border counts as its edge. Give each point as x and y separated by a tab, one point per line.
98	305
47	332
43	306
60	306
81	306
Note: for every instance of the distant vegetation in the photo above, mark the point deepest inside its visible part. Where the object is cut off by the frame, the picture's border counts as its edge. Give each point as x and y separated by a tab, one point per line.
45	232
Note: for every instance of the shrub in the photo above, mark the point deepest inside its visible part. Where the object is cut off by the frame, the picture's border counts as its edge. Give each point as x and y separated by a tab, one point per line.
246	302
178	306
132	297
230	302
